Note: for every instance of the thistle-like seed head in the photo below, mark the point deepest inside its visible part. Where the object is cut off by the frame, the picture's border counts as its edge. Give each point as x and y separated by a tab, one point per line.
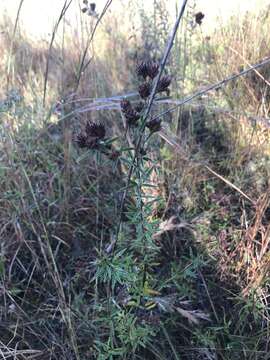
198	18
153	69
139	107
154	125
147	68
92	143
131	115
145	90
164	83
95	130
142	69
81	140
92	6
90	137
125	105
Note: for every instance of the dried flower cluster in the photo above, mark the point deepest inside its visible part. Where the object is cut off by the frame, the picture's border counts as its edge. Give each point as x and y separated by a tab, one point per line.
145	90
154	125
92	135
132	115
90	9
93	138
147	70
199	17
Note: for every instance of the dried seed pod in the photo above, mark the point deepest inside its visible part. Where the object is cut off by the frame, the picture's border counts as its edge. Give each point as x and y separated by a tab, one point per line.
139	107
142	69
154	125
145	90
198	18
95	130
125	105
93	6
92	134
147	68
131	115
143	152
84	141
92	143
164	83
152	69
81	140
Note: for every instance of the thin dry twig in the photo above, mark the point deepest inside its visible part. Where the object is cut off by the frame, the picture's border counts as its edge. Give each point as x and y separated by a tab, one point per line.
12	42
214	86
248	63
83	66
62	14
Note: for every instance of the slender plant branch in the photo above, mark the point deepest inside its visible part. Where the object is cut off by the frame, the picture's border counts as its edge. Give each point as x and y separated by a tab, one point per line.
12	41
84	65
215	86
146	114
163	62
62	14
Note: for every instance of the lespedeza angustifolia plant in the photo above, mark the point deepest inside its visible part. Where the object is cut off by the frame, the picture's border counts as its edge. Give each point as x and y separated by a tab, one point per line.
123	268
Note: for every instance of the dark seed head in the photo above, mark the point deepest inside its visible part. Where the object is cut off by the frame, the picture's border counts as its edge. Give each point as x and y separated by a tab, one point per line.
92	134
145	90
198	18
84	141
152	68
139	107
142	69
125	105
147	68
143	152
81	140
131	115
154	125
164	83
92	143
95	130
93	6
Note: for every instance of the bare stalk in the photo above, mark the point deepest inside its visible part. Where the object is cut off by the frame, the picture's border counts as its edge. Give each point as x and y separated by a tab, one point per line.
214	86
12	42
84	65
62	14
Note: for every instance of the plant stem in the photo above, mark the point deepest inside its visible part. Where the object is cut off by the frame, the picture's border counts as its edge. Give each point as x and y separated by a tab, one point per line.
146	114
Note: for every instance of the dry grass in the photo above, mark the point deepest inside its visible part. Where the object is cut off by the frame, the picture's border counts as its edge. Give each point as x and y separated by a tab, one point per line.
58	206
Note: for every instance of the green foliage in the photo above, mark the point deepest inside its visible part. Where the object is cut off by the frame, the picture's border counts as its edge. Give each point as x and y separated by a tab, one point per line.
118	269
